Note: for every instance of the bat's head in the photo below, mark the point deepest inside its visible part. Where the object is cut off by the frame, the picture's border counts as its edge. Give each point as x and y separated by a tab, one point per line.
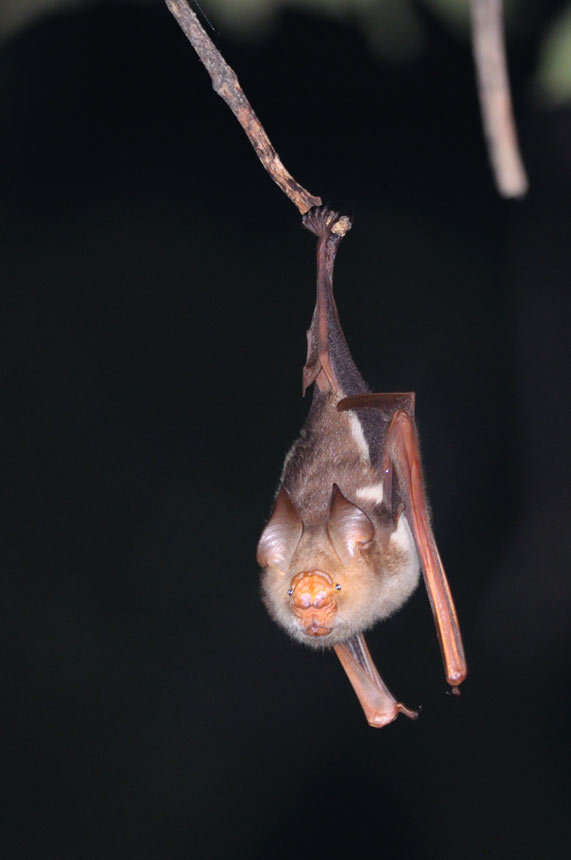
323	583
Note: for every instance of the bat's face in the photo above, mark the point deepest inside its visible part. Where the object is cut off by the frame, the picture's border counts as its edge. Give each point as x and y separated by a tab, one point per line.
321	608
324	584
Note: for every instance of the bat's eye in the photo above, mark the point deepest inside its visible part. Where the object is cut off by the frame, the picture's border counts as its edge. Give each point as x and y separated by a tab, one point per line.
337	587
290	591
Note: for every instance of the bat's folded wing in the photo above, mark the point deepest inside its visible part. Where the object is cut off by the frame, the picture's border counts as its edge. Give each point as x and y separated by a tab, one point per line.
402	453
377	701
402	448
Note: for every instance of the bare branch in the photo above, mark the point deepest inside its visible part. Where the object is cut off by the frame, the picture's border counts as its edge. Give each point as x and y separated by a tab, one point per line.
495	99
226	84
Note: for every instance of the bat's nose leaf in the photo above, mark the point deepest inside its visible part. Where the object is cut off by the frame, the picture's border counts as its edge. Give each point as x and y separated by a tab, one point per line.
314	603
313	589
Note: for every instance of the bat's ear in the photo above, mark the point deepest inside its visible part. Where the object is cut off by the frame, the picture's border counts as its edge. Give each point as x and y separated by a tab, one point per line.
348	527
281	535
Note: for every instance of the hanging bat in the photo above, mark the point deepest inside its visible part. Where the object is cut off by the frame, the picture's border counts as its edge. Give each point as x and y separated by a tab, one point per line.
350	526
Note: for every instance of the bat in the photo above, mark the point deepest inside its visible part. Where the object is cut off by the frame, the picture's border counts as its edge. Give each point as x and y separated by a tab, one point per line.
350	527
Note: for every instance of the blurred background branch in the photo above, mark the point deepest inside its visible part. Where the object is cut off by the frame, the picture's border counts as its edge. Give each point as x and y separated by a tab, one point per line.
396	29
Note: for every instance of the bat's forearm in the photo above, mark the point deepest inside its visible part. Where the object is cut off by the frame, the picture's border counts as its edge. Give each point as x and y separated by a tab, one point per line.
378	703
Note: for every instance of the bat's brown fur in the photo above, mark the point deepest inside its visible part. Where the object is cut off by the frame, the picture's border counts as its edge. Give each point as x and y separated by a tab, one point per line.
378	577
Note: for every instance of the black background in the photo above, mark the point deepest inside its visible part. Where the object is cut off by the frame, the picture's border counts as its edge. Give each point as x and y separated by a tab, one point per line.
157	288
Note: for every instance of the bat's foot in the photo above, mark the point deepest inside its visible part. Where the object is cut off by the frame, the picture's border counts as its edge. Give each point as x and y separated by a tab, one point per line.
323	221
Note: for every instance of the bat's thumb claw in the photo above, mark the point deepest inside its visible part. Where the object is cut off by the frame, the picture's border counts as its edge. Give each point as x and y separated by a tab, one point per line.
408	712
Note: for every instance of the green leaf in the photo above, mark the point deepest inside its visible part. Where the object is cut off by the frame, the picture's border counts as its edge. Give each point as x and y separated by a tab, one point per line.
553	79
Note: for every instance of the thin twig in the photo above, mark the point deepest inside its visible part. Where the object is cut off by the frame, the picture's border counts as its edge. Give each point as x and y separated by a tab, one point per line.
495	99
226	84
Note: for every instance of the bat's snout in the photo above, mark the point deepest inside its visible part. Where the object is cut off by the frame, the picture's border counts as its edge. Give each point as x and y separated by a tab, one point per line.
313	598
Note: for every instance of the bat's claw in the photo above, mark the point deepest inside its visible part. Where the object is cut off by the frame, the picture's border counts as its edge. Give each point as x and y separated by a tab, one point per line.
408	712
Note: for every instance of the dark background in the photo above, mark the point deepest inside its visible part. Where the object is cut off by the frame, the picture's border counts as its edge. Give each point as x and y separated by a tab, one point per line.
157	288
